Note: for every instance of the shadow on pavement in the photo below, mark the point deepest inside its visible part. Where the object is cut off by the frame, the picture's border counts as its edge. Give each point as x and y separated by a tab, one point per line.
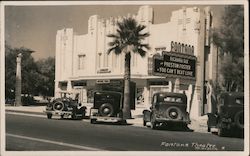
112	123
174	128
232	135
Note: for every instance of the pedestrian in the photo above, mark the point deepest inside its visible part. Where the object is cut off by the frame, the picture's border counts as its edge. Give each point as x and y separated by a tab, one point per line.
209	96
211	99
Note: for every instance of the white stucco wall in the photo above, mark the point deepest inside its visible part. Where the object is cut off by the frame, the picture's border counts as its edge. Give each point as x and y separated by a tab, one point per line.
186	26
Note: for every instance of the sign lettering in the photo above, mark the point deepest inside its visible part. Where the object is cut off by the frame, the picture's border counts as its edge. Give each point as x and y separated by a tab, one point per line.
181	48
175	65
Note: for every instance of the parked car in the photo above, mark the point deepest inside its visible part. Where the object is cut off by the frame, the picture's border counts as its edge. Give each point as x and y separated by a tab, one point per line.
167	108
107	107
229	117
66	106
9	101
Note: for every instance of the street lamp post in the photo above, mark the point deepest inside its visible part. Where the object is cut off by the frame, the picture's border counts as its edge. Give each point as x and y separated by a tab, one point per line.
18	101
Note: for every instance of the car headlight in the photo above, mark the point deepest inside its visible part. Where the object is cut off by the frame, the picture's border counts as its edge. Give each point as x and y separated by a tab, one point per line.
70	108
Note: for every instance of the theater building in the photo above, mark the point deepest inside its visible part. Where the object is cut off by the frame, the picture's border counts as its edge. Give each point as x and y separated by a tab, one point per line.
82	62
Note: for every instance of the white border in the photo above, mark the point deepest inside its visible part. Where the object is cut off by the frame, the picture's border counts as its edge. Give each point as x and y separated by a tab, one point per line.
177	2
73	153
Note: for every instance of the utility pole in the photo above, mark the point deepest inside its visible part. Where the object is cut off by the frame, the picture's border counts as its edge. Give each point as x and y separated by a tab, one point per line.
18	101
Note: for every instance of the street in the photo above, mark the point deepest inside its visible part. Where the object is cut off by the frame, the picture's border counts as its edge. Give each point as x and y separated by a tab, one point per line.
37	133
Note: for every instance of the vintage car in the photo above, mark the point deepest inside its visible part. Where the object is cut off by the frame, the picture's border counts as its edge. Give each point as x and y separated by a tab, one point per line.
107	107
66	106
229	116
169	109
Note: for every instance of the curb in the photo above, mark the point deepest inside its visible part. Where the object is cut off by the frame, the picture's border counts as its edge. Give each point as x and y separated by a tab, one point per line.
137	121
26	112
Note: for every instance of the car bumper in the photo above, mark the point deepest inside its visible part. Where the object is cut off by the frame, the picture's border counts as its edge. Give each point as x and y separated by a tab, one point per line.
172	120
106	118
58	112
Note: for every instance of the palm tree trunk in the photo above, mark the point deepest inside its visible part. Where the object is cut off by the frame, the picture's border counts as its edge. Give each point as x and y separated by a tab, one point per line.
126	103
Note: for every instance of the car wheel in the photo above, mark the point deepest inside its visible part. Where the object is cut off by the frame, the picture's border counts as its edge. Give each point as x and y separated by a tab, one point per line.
122	122
153	122
184	126
239	119
82	112
83	115
92	121
153	125
106	109
73	116
208	129
49	116
58	105
174	113
222	132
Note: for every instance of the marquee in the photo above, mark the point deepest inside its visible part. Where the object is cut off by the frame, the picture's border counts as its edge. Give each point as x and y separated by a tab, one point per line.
172	64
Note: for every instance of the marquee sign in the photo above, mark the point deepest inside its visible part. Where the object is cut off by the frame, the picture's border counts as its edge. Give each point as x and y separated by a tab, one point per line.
172	64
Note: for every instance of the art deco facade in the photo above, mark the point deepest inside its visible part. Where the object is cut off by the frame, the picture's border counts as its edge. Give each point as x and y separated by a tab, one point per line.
82	62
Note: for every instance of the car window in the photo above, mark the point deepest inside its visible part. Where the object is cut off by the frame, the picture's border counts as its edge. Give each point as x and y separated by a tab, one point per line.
172	99
239	101
222	101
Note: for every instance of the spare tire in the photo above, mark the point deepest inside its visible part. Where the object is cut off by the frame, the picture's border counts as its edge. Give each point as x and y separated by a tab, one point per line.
58	106
174	113
239	119
106	109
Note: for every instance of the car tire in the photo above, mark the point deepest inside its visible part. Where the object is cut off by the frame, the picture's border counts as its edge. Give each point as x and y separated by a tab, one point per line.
73	116
153	125
237	119
222	132
178	112
122	122
208	129
49	116
58	105
184	126
108	107
153	122
82	112
144	123
83	115
92	121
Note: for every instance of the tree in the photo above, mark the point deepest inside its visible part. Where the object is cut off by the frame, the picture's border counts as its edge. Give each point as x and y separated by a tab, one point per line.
29	68
128	38
46	69
229	37
37	76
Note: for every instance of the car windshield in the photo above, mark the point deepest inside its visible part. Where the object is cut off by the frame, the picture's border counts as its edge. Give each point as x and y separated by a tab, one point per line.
239	101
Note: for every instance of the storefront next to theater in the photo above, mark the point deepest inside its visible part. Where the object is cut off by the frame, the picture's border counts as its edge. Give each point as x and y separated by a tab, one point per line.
82	62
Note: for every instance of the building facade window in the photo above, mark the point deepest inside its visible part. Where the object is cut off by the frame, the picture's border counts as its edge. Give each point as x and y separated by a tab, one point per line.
81	61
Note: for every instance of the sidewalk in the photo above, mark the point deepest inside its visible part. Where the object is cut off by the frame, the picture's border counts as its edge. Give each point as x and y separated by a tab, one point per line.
198	125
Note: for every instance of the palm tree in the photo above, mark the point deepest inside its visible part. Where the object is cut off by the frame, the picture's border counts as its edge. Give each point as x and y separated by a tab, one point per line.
128	38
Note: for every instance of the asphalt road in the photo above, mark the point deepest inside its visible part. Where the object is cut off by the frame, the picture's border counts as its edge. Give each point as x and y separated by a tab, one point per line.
26	133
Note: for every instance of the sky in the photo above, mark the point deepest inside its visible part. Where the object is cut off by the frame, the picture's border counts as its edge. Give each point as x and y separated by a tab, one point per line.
35	27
